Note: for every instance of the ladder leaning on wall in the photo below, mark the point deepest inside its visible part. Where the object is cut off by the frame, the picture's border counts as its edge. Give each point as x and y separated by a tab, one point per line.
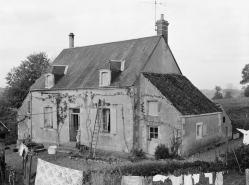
96	128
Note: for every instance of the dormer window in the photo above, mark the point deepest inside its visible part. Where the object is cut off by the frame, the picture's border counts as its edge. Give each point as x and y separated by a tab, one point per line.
104	77
58	71
117	65
49	80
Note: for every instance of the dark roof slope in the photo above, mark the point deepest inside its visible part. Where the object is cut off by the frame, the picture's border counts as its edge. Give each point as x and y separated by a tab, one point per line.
84	63
3	129
183	95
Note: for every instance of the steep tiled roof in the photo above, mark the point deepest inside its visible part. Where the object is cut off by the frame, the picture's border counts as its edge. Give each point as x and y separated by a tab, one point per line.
183	95
84	63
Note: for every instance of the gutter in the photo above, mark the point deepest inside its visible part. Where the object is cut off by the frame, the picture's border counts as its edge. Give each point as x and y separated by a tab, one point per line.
185	116
87	88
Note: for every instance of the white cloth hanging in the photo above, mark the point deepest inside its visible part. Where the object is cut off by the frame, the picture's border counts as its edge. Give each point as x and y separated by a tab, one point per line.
132	180
196	178
48	174
176	180
188	180
160	178
246	136
219	178
210	176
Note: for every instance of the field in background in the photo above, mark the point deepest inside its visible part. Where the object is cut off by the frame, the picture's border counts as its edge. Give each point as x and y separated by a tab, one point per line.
237	109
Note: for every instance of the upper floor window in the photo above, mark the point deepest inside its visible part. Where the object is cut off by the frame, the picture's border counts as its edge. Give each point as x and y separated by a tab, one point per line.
106	122
49	80
153	108
48	117
104	78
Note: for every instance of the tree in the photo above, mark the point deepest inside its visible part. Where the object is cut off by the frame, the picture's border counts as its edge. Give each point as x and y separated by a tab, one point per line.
21	78
217	94
245	75
229	92
247	91
245	79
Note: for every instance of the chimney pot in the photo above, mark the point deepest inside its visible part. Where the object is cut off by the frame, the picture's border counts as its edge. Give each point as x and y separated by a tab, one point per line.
71	40
162	28
162	16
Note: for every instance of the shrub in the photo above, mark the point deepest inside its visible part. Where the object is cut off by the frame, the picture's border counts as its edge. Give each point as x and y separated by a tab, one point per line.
136	155
161	152
242	154
247	91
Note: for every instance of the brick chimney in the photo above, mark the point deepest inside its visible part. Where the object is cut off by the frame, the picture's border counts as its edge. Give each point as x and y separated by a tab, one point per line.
162	27
71	40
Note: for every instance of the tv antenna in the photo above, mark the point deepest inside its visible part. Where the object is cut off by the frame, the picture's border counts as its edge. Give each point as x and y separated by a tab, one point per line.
162	4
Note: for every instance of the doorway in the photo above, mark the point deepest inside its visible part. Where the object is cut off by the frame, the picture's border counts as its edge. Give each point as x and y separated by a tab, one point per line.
74	123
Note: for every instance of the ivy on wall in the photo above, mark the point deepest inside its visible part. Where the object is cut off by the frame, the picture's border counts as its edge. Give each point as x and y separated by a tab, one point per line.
61	100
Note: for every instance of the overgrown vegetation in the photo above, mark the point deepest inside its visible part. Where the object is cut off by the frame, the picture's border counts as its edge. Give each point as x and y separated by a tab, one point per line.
161	152
242	154
137	155
113	175
237	109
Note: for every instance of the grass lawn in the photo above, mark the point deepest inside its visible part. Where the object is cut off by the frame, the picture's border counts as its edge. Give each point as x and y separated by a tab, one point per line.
237	109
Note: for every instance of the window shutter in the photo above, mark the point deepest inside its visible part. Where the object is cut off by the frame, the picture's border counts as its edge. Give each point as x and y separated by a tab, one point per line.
159	133
204	130
159	106
46	81
93	117
54	122
113	121
81	118
41	113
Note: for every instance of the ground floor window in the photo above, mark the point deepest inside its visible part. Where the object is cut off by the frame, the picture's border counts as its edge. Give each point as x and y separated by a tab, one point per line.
153	132
106	122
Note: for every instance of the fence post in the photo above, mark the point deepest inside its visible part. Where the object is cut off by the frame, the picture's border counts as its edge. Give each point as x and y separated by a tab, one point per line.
247	176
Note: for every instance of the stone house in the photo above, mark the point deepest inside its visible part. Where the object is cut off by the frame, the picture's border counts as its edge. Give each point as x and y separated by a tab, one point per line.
147	100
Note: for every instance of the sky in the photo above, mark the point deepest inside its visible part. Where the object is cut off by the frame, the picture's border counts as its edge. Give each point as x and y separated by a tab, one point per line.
209	38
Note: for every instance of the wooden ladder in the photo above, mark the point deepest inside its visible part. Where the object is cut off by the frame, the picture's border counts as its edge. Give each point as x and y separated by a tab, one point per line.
96	129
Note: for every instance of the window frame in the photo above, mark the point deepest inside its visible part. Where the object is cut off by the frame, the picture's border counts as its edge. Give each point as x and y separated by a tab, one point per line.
51	114
47	84
148	105
200	135
108	77
153	132
108	121
72	113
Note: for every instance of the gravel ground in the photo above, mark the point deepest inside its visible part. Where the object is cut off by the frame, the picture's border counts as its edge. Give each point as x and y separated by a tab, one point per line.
62	159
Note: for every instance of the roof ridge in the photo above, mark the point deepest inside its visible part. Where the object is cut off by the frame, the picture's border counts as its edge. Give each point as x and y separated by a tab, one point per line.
112	42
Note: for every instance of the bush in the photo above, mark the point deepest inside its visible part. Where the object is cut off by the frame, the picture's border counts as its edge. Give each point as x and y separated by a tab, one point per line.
247	91
242	154
136	155
161	152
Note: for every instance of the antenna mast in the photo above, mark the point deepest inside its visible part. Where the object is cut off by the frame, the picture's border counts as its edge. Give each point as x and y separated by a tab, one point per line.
155	8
